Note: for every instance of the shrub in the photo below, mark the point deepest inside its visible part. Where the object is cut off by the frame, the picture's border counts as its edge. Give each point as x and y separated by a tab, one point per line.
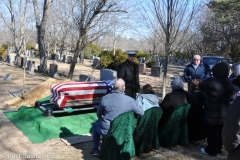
92	50
105	53
143	54
151	63
5	46
106	61
30	46
4	55
119	58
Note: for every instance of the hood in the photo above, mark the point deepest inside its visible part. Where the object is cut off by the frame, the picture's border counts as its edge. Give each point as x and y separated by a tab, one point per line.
221	70
177	83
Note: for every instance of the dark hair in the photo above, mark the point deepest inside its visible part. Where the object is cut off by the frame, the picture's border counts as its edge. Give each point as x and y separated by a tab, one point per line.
147	89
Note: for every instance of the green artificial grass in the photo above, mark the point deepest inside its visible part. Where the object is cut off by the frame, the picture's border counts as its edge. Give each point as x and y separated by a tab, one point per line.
38	129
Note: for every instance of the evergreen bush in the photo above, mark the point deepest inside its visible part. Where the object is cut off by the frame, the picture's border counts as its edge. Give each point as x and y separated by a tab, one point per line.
150	63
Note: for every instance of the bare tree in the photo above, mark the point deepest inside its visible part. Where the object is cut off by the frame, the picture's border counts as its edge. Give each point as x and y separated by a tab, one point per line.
173	18
87	14
17	24
41	22
58	34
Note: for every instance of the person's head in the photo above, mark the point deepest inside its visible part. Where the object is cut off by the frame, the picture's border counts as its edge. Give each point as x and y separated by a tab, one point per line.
119	84
197	59
131	55
236	69
147	89
177	83
221	70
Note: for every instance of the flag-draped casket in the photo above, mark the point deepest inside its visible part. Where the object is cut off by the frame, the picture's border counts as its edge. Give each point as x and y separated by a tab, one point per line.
79	93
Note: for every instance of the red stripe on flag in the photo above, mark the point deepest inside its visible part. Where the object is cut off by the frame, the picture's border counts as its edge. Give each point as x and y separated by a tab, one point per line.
86	96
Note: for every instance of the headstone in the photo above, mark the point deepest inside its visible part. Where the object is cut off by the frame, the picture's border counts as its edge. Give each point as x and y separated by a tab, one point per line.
64	58
91	57
19	61
156	71
107	74
142	68
28	64
96	61
53	69
69	59
157	64
9	59
7	77
32	53
31	67
57	57
84	77
23	61
78	60
49	56
38	68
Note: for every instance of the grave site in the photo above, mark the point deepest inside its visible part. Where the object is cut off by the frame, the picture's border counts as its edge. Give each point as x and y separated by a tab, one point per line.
36	126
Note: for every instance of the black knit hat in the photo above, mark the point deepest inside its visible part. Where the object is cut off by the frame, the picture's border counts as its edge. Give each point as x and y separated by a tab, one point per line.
221	70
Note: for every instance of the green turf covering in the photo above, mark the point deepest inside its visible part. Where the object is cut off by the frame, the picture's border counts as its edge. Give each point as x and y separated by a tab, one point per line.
38	129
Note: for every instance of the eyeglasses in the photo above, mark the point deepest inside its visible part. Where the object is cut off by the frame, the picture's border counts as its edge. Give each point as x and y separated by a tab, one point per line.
196	59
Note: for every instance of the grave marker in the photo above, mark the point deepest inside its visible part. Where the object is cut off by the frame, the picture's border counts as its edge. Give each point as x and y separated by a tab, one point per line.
7	77
53	69
84	77
107	74
142	68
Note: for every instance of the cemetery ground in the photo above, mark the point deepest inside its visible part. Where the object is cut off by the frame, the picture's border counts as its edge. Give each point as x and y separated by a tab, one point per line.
16	92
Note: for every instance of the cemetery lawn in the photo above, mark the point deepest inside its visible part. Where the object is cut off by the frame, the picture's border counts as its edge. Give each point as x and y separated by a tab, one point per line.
19	91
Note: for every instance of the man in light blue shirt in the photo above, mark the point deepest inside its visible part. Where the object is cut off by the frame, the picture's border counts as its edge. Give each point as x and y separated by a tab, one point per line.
111	106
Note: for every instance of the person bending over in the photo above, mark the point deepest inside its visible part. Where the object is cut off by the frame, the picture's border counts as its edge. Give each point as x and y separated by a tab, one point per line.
147	98
174	99
111	106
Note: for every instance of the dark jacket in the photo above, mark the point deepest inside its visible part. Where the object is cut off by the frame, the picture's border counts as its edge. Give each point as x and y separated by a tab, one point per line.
236	81
219	93
129	72
202	72
171	101
231	130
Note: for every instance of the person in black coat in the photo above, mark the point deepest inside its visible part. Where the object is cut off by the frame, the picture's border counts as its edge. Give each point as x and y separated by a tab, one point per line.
219	93
174	99
129	72
231	130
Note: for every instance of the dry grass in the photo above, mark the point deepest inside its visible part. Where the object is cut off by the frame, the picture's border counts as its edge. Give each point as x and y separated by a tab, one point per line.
31	96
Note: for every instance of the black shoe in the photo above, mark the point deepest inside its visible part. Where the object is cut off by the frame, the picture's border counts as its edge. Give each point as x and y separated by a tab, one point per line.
94	152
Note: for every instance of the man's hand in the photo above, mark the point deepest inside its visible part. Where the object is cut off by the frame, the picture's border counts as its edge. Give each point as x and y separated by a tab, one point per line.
195	83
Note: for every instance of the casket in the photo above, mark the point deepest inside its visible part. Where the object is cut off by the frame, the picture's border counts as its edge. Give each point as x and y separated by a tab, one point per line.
79	93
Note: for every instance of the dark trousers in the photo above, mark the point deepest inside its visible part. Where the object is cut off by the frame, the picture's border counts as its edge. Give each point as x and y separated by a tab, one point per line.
214	139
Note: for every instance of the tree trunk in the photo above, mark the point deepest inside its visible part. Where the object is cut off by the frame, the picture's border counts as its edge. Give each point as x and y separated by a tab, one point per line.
41	25
74	61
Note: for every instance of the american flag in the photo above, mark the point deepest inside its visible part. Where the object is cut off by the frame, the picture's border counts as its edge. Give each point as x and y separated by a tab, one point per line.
61	93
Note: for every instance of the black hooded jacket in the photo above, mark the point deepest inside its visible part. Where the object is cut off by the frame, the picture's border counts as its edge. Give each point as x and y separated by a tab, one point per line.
219	93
